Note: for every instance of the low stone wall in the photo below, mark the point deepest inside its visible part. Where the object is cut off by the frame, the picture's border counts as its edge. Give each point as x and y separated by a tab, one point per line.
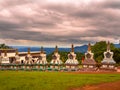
49	67
30	67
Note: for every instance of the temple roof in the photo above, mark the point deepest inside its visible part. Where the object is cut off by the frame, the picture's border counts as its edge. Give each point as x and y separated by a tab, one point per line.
8	50
33	54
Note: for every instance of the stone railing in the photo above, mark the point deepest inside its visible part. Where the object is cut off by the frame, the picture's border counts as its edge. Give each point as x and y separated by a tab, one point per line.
32	67
49	67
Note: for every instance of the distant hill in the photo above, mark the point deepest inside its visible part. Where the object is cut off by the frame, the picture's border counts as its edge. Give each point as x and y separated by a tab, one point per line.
48	50
81	49
117	45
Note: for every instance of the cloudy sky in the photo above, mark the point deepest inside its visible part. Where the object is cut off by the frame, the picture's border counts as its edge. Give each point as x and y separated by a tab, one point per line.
61	22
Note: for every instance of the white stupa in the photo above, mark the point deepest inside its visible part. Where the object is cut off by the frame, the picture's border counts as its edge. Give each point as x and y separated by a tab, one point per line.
108	58
55	62
5	58
89	61
72	62
28	58
42	58
17	58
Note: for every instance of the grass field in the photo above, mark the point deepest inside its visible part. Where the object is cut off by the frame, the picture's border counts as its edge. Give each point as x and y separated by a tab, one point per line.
21	80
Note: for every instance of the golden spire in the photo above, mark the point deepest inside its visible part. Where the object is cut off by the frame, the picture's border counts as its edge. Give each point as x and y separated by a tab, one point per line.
28	50
108	46
42	50
16	51
89	47
5	53
72	48
56	49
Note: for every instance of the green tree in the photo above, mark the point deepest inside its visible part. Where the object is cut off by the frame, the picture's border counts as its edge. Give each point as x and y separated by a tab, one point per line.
79	56
116	55
3	46
99	48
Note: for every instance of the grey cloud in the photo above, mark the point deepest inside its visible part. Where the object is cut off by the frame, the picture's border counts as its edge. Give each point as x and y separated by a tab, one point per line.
12	3
115	4
102	17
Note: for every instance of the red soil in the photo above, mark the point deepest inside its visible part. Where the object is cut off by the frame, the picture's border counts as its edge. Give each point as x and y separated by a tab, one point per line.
94	72
103	86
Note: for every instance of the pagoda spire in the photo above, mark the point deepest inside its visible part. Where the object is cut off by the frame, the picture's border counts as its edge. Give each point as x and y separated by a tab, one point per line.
72	48
42	50
108	46
16	51
89	47
5	53
56	49
28	50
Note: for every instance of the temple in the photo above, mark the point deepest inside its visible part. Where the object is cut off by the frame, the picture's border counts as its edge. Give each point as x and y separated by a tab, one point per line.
89	61
72	62
108	61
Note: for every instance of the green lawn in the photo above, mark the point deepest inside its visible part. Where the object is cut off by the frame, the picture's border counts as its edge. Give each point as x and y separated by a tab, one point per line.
23	80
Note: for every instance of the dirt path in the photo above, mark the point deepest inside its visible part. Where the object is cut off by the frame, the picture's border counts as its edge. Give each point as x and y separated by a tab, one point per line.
103	86
94	72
